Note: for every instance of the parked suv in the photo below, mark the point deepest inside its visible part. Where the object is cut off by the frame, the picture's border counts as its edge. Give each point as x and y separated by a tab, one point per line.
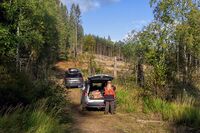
73	78
93	91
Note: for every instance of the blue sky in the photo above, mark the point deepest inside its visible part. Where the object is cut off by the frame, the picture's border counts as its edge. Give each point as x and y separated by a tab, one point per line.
113	17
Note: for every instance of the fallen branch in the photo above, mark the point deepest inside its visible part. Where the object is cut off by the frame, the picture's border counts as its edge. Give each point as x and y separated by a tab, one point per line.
148	121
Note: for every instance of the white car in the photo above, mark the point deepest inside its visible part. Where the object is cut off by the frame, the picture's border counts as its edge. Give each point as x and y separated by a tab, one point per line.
94	85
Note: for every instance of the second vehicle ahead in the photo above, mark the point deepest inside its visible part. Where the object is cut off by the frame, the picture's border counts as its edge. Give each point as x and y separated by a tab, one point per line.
73	78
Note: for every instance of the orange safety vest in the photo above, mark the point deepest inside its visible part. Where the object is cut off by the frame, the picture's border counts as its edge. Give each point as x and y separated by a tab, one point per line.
109	92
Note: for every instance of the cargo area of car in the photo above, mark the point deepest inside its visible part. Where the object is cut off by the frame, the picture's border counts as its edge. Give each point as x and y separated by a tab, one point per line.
96	91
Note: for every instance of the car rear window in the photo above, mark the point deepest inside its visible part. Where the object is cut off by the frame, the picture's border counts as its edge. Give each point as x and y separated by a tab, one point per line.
73	75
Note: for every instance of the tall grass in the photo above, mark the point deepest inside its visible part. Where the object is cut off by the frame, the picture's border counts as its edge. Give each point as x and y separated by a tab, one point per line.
30	120
128	100
30	117
158	106
181	112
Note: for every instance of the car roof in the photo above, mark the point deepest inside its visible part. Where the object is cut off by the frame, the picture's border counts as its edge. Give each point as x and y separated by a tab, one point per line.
100	77
73	71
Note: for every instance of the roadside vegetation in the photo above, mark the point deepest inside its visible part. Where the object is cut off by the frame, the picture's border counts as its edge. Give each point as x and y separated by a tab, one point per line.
29	119
181	111
164	64
161	75
31	106
33	36
128	100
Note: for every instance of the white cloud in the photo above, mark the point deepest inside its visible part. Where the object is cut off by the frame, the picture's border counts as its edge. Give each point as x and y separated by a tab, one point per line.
87	5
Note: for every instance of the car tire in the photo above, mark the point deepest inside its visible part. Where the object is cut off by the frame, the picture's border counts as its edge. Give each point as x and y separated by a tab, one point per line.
67	87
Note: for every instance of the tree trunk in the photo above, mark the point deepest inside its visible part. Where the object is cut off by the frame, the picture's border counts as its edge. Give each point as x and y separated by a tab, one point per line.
136	73
115	67
185	75
140	73
17	53
29	60
76	40
177	61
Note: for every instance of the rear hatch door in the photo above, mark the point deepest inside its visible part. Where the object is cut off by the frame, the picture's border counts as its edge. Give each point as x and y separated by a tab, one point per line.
100	78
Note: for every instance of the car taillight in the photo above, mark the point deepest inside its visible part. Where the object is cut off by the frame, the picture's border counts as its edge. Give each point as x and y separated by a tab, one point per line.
85	93
81	79
67	79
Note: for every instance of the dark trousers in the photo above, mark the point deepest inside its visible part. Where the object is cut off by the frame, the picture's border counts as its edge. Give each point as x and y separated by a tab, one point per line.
110	107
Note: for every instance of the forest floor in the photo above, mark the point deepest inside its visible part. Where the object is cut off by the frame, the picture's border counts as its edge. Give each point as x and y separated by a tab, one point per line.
94	121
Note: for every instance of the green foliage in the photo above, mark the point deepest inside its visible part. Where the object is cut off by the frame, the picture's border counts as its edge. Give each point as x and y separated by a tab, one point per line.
15	88
6	42
149	47
29	120
102	46
129	51
18	88
89	43
124	102
34	31
128	100
159	106
33	35
33	114
172	10
181	113
166	52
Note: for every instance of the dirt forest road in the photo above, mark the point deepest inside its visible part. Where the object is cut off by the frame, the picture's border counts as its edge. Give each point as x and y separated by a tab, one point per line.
94	121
